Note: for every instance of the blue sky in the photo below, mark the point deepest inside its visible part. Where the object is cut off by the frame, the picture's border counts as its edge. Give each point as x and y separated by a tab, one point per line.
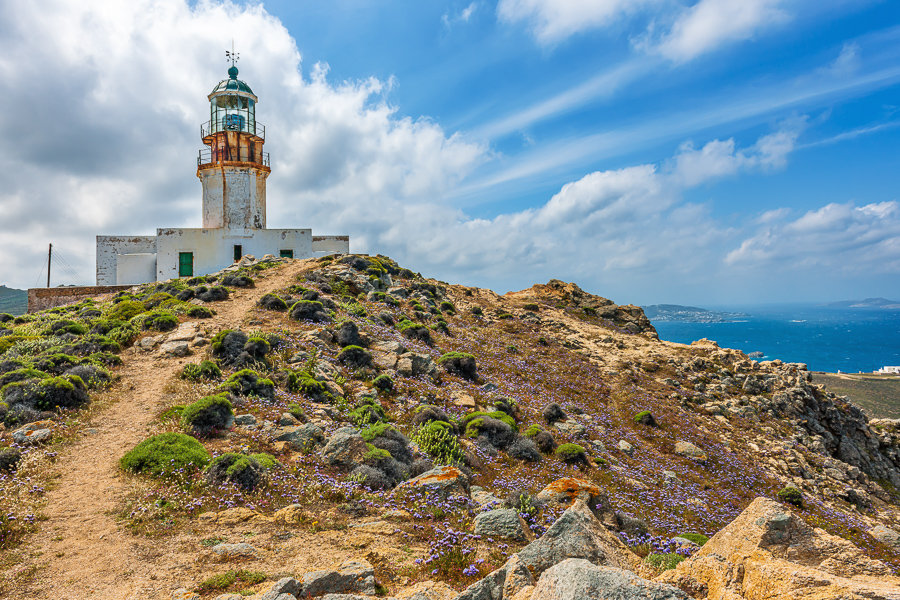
653	151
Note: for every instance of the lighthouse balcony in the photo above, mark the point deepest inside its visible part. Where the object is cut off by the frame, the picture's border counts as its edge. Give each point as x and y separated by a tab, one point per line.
240	122
232	155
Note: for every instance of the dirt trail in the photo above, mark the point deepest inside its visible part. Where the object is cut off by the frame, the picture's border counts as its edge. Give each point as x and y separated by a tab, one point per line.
81	551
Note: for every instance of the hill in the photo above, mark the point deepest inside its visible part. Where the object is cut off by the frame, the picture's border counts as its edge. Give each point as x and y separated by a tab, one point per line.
255	430
879	395
690	314
13	301
867	303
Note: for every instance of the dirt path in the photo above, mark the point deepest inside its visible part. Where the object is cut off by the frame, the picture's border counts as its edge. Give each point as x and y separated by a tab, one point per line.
80	550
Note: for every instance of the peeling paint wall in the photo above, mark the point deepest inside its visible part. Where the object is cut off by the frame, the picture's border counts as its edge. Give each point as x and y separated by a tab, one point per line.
234	197
213	249
133	269
330	244
110	246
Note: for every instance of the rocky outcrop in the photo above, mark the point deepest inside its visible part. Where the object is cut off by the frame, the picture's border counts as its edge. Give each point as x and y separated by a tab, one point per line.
577	579
768	552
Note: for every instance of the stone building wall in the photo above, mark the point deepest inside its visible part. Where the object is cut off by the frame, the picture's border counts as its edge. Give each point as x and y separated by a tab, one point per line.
44	298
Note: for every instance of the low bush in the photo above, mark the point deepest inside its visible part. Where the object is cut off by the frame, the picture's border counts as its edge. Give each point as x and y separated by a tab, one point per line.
207	415
231	580
791	495
645	418
355	357
552	413
21	375
414	331
525	449
266	461
697	538
459	363
273	302
159	320
238	469
9	459
367	413
199	312
93	376
164	454
664	562
437	440
545	442
309	310
205	370
67	391
248	382
240	281
384	383
214	294
125	310
64	326
571	454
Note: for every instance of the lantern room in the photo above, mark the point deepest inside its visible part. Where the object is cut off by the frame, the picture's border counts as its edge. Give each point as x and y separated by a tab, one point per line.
232	133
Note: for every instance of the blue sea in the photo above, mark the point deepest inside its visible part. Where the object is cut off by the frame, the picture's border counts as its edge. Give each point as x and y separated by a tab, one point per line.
827	339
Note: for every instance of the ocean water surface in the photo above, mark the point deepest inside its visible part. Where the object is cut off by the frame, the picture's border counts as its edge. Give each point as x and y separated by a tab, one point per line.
827	339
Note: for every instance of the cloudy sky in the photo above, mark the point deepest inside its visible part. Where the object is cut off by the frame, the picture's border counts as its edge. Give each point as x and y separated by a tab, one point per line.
686	151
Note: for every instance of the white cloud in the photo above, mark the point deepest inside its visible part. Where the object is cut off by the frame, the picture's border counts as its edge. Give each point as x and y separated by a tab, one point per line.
462	16
711	23
552	21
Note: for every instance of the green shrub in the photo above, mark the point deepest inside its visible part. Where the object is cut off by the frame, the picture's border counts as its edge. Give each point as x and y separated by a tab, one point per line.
533	430
459	363
304	382
266	461
243	471
374	455
384	383
497	414
697	538
199	312
67	391
367	413
415	331
21	375
645	418
664	562
791	495
173	412
571	453
477	311
532	307
247	382
231	580
207	414
448	307
296	411
126	310
159	320
437	440
124	334
191	372
376	430
64	326
154	300
355	357
164	454
505	316
210	370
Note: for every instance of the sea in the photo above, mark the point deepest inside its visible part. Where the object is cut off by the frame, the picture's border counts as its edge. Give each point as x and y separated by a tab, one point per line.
827	339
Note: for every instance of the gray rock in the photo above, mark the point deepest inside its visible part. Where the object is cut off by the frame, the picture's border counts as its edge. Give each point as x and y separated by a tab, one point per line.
445	480
484	498
626	447
689	450
244	420
351	576
344	448
577	579
670	478
411	364
886	536
286	586
175	349
503	523
32	434
234	550
236	597
571	427
348	335
389	346
301	438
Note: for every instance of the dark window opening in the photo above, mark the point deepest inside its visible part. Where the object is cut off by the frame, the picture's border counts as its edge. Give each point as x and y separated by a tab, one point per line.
286	253
238	252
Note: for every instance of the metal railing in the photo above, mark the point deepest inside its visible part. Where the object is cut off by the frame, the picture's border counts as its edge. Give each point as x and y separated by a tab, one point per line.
207	157
229	123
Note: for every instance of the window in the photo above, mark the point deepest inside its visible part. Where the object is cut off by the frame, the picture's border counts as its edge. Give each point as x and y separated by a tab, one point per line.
185	264
238	252
286	253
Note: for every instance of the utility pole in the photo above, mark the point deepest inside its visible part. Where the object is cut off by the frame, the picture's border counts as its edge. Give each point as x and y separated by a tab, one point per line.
49	257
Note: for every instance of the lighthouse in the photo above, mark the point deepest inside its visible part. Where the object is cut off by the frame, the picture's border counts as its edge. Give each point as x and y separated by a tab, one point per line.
233	168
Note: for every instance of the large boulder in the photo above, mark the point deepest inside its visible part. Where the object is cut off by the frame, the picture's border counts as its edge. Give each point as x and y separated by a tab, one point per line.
345	448
577	579
301	438
445	480
350	576
768	552
505	523
564	492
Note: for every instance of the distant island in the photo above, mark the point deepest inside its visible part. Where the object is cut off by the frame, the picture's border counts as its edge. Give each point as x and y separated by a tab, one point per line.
690	314
867	303
13	301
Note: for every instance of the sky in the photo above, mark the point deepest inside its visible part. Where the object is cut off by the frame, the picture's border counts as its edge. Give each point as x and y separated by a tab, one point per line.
703	152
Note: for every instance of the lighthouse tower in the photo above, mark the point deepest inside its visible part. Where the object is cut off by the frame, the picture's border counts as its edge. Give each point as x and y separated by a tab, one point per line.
233	167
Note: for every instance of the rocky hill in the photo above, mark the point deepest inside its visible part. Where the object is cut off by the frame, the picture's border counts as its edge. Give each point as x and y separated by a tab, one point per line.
345	428
13	301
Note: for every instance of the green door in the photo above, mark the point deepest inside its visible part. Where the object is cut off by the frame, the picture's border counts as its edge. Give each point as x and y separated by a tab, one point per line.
286	253
185	264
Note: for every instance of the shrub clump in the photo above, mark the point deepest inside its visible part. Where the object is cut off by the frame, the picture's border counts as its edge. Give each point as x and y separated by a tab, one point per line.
199	312
460	363
247	382
214	294
384	383
231	579
240	281
51	393
791	495
125	310
205	370
234	348
369	411
663	561
645	418
427	413
437	440
207	415
525	449
309	310
9	459
414	331
553	413
63	326
697	538
159	321
243	471
273	302
165	453
572	454
355	357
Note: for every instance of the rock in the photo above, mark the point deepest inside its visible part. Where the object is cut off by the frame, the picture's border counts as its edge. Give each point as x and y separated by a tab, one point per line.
670	478
484	498
578	579
178	349
505	523
626	447
385	360
463	400
886	536
376	527
428	590
183	594
445	480
518	577
345	448
148	343
238	515
689	450
240	550
350	576
565	491
389	346
302	438
413	365
348	335
185	332
33	433
239	597
777	555
572	427
289	515
285	585
245	421
9	459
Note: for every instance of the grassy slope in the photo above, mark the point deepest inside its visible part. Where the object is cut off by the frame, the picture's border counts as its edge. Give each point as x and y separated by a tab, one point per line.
12	301
879	395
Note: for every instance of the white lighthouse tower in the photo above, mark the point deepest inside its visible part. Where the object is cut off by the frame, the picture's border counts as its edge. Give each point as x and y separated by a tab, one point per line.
232	169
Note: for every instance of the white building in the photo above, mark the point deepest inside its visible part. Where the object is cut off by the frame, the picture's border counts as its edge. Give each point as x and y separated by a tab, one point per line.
232	169
888	371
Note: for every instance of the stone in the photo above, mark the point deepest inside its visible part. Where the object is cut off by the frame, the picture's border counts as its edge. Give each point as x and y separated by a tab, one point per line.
778	555
385	360
235	516
345	448
290	515
578	579
504	523
428	590
570	426
389	346
463	400
626	447
445	480
398	514
33	434
411	364
236	597
301	438
689	450
670	478
350	576
348	335
517	578
886	536
566	491
150	342
285	585
185	332
177	349
183	594
240	550
484	498
244	420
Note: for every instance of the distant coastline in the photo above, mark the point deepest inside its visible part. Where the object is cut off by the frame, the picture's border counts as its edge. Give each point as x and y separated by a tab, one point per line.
690	314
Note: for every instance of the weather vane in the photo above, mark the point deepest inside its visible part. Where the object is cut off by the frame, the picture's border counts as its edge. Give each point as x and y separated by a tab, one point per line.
232	55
